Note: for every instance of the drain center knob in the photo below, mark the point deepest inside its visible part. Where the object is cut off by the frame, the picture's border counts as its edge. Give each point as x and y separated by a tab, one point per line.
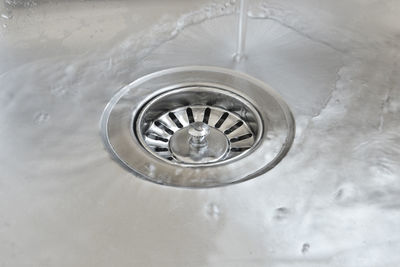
199	143
198	132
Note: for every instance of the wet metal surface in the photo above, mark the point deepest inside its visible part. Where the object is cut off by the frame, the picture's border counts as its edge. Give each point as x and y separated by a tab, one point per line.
333	201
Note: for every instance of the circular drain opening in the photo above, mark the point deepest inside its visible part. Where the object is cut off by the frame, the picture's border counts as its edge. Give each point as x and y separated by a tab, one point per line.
197	127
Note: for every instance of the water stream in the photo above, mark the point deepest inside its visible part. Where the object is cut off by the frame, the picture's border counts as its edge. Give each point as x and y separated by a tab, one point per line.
242	30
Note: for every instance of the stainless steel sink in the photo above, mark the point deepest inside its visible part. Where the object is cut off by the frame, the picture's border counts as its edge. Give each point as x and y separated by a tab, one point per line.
333	200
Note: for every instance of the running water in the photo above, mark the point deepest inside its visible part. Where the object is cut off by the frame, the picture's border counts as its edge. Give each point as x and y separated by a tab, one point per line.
333	201
241	31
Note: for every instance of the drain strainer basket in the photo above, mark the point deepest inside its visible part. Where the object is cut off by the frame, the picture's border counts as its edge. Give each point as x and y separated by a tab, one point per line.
197	127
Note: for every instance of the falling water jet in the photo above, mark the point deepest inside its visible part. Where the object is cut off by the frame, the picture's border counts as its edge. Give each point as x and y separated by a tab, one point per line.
242	29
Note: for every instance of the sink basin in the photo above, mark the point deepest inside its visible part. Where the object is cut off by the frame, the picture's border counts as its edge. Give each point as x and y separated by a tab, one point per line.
333	200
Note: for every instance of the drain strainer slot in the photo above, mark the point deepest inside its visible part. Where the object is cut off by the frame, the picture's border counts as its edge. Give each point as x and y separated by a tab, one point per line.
197	127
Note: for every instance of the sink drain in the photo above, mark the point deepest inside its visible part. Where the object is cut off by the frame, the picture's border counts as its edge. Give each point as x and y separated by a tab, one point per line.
197	127
212	127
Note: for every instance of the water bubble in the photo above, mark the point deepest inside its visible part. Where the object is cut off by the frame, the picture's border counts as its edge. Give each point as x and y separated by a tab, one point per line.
305	248
41	117
213	210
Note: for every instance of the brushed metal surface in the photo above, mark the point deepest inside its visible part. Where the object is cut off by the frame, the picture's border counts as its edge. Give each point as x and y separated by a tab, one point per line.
333	200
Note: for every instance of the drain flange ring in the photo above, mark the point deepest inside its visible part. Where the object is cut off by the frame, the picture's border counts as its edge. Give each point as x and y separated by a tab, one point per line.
197	127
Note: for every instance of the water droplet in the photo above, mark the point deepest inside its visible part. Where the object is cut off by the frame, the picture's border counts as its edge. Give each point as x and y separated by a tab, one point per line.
41	117
20	3
257	14
58	91
70	70
281	213
64	91
346	193
6	16
150	168
213	210
305	248
178	171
